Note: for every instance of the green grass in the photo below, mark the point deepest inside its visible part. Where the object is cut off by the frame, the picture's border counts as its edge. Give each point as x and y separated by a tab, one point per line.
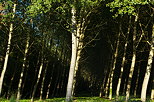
76	99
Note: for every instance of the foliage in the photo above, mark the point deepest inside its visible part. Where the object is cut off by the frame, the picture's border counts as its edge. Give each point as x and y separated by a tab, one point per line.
12	99
126	6
6	7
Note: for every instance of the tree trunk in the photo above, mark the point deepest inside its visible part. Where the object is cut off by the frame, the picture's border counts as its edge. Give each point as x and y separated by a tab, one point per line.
123	61
130	76
49	85
42	84
137	81
108	78
114	65
7	51
38	79
133	61
148	69
102	91
23	69
152	90
69	93
80	36
107	85
35	73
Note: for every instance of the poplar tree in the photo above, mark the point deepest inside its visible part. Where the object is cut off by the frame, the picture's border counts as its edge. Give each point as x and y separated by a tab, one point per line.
8	45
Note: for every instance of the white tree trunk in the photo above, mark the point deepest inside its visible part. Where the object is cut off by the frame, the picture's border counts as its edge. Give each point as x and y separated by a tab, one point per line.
121	70
38	79
7	50
148	70
23	68
152	90
133	61
114	65
69	93
42	84
80	36
130	76
123	61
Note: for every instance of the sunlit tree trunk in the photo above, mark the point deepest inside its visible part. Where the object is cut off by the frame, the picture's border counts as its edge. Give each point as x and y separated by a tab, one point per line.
148	70
152	90
25	77
108	78
38	79
69	93
80	36
123	61
7	50
114	65
23	69
133	61
42	83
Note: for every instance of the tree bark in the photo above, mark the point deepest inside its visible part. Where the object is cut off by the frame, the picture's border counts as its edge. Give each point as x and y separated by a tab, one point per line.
7	50
23	69
49	85
102	91
152	90
137	81
42	84
114	65
38	79
80	36
108	78
69	93
123	61
133	61
148	70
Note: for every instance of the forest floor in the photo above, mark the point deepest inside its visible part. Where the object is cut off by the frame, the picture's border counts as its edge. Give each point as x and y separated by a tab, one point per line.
76	99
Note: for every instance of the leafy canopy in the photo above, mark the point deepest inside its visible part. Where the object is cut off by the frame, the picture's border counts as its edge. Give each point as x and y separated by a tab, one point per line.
40	6
126	6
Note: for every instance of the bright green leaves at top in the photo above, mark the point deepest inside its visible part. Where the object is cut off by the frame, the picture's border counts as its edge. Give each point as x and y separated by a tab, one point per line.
40	6
126	6
88	4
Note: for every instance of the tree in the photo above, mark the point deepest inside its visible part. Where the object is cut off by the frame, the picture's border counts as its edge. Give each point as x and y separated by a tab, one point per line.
23	66
69	92
148	69
123	60
7	50
114	63
81	10
122	8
